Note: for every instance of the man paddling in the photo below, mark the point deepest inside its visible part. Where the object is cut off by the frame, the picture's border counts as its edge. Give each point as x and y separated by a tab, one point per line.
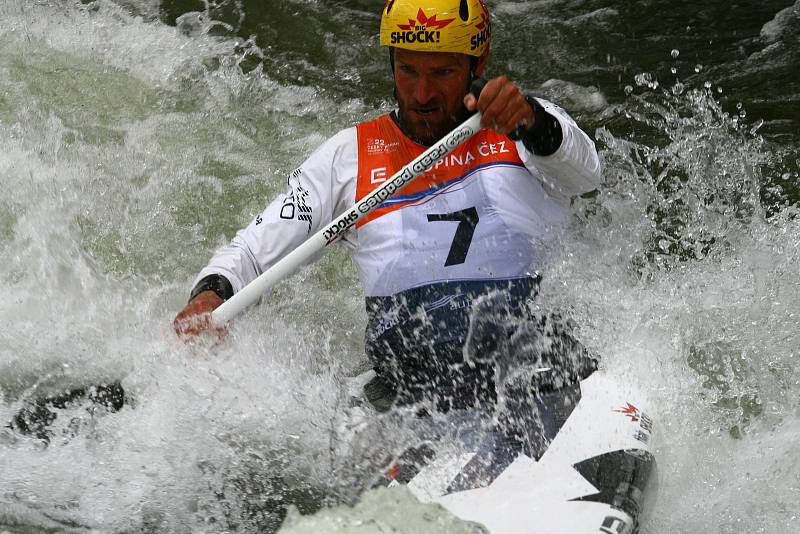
448	264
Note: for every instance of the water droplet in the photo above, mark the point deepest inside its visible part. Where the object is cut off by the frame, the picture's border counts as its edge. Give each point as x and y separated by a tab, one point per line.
673	70
707	85
742	114
719	89
738	105
698	68
628	89
675	53
678	88
643	78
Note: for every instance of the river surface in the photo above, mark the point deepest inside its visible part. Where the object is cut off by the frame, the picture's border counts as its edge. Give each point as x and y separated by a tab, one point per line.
136	136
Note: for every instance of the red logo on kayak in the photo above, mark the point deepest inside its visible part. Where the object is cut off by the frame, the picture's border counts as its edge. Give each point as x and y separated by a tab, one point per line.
424	22
645	427
393	472
630	411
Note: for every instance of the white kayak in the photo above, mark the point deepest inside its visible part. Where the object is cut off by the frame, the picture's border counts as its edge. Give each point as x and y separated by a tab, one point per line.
595	476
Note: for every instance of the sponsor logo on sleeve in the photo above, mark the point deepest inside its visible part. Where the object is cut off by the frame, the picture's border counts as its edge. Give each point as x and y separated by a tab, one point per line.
295	204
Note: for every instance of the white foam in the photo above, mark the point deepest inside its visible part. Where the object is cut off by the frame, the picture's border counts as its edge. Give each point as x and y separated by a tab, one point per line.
109	124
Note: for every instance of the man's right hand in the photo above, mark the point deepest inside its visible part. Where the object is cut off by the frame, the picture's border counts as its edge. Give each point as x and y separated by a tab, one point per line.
195	318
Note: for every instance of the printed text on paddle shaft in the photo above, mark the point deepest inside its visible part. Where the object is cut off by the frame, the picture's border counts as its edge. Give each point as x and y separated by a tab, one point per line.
370	202
339	226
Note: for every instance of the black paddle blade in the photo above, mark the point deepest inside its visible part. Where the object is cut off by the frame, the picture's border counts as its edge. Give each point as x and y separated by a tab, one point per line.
36	418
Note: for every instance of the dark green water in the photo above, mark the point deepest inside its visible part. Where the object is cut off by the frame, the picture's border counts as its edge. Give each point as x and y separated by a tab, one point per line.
742	48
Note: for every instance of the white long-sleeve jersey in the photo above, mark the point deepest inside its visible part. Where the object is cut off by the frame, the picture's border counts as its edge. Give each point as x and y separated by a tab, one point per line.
476	218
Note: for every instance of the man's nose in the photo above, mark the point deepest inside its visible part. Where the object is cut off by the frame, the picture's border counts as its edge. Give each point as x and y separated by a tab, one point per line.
424	90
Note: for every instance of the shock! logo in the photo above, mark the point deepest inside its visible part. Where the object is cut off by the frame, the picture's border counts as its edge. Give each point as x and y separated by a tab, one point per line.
423	30
484	33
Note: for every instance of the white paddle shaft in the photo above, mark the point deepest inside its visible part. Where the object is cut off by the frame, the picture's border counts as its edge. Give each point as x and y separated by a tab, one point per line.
291	262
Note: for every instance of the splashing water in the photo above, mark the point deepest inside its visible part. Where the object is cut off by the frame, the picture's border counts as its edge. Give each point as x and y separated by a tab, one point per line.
677	275
117	136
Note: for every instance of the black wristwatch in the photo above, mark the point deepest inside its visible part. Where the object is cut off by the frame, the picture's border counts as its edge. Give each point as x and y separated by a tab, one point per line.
213	282
545	136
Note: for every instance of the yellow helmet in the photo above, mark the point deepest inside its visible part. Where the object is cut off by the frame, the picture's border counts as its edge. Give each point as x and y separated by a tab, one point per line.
460	26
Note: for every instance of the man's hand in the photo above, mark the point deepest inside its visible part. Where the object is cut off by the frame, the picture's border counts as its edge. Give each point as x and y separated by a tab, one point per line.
503	106
195	318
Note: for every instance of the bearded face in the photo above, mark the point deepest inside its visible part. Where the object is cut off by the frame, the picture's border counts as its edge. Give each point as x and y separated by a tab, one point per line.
430	89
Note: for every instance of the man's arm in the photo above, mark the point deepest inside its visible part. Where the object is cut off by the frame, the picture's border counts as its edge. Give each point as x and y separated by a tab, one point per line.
573	167
551	142
318	191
